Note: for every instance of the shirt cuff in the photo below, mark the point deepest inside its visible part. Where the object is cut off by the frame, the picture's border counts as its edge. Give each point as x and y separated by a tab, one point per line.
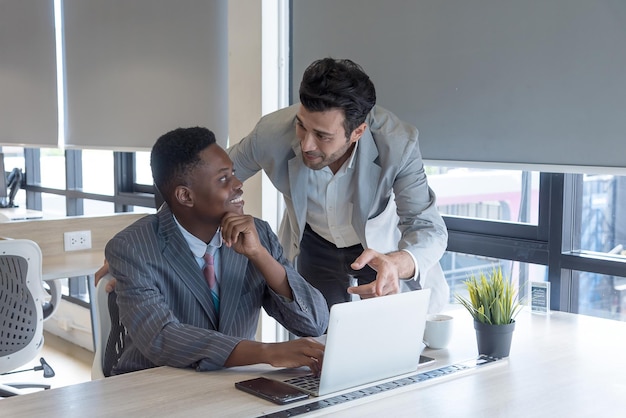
417	270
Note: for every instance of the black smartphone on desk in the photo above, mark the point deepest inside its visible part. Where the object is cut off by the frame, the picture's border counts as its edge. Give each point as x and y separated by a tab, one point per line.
271	390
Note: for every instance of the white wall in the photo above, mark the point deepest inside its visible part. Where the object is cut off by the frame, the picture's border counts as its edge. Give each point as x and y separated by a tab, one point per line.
244	84
256	87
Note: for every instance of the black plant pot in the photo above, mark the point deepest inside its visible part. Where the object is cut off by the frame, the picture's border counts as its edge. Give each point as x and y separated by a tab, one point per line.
494	340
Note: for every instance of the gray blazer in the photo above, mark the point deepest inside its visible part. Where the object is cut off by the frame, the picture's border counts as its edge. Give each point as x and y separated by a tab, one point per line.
394	207
164	301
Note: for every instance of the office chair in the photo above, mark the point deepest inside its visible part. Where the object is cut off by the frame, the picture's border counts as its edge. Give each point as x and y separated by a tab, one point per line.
108	329
24	306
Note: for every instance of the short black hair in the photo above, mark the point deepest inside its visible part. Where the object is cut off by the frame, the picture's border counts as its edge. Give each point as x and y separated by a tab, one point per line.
331	83
175	154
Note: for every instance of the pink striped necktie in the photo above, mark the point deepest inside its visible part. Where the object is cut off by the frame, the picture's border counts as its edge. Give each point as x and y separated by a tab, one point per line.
209	275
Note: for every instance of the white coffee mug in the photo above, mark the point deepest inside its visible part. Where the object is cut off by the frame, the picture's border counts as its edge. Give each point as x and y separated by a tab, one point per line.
438	331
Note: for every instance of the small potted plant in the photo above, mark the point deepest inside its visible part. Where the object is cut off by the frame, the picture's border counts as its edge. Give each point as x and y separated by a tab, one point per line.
493	303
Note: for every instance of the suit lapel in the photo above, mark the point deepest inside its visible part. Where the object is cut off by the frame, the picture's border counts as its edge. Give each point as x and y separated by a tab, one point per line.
298	182
367	176
177	253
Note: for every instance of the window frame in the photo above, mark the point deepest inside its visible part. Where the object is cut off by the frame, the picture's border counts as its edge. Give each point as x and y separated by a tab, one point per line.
553	242
127	194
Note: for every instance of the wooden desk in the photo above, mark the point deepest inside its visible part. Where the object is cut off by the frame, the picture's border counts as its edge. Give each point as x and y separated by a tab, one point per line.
19	214
48	234
72	264
560	365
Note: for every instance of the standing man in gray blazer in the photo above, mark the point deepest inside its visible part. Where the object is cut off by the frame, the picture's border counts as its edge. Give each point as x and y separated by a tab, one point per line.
359	210
173	316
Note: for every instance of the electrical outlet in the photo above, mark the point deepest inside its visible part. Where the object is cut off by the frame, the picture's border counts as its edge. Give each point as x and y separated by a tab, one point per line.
77	240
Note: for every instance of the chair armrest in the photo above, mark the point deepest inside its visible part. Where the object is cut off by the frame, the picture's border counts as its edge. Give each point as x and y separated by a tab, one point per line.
101	325
51	306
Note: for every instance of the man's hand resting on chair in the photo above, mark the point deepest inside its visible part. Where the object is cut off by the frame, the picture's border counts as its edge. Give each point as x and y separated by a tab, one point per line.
102	271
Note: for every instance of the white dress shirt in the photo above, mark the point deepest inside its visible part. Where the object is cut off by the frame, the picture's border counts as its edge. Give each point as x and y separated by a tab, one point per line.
199	248
329	206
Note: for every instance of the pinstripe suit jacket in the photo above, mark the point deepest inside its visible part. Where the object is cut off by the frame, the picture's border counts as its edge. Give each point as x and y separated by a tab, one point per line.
165	303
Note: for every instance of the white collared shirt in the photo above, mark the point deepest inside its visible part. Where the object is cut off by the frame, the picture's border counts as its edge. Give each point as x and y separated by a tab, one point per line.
199	248
329	204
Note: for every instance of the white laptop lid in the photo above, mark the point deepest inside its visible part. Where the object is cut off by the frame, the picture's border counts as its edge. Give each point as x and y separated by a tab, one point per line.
373	339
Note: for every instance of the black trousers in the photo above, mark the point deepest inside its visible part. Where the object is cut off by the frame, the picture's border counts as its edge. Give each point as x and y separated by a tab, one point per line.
327	267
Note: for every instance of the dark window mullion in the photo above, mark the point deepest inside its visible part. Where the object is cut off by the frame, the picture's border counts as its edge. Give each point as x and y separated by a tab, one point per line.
570	239
511	230
74	181
555	228
595	263
543	224
124	171
526	251
32	170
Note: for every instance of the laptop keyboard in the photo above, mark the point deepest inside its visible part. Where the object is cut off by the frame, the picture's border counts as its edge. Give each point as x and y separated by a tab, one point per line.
307	382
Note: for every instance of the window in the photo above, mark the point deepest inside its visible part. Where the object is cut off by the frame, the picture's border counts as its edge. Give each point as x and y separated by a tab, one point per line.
502	195
459	267
52	163
97	172
600	295
569	229
603	214
571	233
143	173
75	182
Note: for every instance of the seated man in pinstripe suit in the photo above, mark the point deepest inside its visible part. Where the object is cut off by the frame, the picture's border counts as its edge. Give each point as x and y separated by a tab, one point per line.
164	299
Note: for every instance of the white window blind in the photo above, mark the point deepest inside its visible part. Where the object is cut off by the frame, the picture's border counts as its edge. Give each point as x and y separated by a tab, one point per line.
137	69
28	97
534	82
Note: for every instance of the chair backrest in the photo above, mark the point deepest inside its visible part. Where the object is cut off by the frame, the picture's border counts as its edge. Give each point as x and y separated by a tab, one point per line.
110	332
22	296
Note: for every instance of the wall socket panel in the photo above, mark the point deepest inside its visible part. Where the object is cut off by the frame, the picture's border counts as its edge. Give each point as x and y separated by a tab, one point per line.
77	240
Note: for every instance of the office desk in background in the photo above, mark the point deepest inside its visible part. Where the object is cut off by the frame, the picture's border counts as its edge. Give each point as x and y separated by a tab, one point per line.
560	365
48	234
19	214
57	263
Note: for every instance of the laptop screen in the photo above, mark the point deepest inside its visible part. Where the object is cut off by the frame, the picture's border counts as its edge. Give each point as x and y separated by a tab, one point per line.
373	339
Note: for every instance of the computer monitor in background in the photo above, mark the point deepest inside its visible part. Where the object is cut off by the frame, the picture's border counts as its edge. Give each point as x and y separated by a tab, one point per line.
10	184
3	181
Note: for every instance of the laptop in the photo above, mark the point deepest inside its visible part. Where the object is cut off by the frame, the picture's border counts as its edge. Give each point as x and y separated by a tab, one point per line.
367	340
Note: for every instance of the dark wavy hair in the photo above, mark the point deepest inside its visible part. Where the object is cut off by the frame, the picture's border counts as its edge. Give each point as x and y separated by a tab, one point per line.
175	154
331	83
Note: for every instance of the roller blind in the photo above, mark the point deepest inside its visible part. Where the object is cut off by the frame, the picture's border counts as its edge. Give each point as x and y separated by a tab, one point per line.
501	81
28	97
137	69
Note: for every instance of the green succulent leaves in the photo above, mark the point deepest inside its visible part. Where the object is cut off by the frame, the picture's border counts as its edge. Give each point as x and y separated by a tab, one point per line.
492	299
